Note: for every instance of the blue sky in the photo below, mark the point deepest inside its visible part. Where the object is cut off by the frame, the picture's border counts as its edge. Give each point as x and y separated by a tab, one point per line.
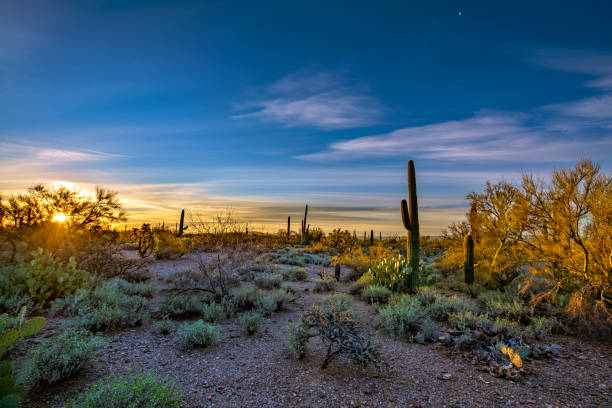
263	106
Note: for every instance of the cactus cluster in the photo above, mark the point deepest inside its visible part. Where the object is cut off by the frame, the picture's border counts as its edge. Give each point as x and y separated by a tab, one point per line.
410	219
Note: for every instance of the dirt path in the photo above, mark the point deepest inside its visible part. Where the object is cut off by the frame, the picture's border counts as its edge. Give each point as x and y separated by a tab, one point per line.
258	371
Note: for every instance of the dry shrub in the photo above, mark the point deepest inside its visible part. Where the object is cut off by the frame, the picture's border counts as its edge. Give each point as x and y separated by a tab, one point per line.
590	309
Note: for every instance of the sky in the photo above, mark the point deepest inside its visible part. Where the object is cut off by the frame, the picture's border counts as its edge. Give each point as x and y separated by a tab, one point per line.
261	107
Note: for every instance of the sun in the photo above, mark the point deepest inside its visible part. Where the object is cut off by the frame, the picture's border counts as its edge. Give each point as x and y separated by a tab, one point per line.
60	217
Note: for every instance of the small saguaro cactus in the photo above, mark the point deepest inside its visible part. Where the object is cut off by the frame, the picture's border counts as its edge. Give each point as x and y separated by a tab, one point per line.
182	226
410	219
305	226
468	262
337	272
289	226
371	237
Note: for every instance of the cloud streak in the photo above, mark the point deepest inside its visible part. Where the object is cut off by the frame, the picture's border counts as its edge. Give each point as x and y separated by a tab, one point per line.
321	100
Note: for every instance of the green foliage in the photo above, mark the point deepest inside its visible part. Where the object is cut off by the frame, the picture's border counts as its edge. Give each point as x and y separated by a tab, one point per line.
58	358
376	294
144	289
246	298
405	316
503	304
323	285
339	332
251	321
443	307
268	280
541	326
45	278
140	390
273	301
107	307
168	245
165	326
182	306
213	312
338	302
10	393
297	339
290	287
199	334
295	274
355	288
396	274
468	320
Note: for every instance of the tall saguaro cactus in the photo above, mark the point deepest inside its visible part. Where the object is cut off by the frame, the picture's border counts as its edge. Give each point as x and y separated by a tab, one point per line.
468	262
182	226
371	237
288	226
305	227
410	219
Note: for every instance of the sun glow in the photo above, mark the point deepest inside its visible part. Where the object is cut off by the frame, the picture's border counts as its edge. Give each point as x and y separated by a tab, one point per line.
60	217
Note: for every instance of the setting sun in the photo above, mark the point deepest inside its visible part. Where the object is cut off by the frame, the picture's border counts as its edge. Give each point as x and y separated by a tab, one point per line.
60	217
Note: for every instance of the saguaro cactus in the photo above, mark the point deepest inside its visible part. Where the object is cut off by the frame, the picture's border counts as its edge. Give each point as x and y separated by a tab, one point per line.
337	272
410	219
468	263
371	237
289	226
182	226
305	226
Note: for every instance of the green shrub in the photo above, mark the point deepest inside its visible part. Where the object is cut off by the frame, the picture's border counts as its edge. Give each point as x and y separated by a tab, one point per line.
103	308
268	280
404	317
360	284
297	338
541	326
295	274
395	273
503	304
251	321
182	306
290	287
213	313
376	294
12	304
165	326
199	334
266	305
338	302
505	325
144	289
468	320
428	295
169	246
246	298
442	307
323	285
59	357
138	390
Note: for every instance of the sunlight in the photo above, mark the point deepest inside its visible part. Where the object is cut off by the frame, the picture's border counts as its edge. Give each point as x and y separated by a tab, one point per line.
60	217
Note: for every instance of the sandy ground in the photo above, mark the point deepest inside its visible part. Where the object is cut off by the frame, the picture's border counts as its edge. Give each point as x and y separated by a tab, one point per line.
258	370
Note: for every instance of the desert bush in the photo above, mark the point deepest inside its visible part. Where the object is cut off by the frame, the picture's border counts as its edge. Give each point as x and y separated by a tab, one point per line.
251	321
140	390
360	284
246	298
339	240
297	258
297	339
182	306
168	245
443	306
469	320
355	258
338	302
295	274
376	294
542	326
268	281
165	326
273	301
404	317
323	285
198	334
503	304
428	295
395	274
59	357
143	289
213	312
290	287
339	332
104	308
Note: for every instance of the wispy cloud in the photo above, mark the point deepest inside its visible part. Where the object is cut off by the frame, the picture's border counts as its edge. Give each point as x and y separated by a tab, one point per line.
322	100
547	134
